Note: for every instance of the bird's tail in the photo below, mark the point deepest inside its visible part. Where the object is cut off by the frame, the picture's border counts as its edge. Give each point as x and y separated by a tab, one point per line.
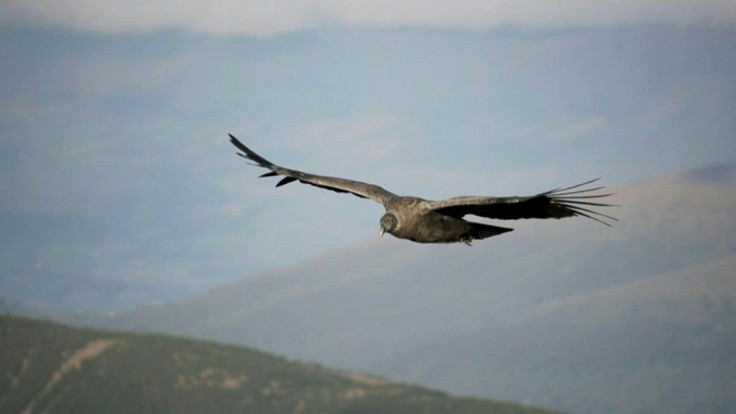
483	231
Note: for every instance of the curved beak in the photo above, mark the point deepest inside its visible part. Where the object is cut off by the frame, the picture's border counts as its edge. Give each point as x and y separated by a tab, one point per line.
381	231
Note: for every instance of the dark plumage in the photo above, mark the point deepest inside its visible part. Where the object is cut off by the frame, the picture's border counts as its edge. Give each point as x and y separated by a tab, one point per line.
426	221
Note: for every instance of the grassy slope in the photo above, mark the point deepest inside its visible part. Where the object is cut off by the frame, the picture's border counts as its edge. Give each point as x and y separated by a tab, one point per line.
53	368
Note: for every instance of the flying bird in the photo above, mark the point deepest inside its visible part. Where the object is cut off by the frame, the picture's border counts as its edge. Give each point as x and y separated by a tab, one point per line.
427	221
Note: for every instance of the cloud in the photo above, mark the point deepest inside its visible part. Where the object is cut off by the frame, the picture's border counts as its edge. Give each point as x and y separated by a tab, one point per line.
267	18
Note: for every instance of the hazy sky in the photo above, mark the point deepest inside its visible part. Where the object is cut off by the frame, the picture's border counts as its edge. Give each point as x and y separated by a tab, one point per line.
264	18
115	167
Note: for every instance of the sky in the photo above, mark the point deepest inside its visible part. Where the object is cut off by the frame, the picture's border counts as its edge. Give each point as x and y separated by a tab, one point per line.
116	172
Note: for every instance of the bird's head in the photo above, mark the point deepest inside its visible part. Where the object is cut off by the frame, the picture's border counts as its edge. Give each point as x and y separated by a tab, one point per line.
388	223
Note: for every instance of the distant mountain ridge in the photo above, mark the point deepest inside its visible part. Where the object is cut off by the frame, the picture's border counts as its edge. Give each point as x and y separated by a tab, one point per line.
568	314
52	368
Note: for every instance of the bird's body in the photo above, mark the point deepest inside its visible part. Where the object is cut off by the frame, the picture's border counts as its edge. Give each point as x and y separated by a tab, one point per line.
416	221
426	221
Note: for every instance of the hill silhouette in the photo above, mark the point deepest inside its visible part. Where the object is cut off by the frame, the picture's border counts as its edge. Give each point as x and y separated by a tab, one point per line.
54	368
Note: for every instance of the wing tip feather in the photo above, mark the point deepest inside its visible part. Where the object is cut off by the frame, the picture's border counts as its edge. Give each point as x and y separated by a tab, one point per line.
573	201
285	180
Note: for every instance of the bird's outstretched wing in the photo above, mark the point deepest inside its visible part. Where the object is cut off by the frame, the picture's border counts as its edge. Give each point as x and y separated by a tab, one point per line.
558	203
340	185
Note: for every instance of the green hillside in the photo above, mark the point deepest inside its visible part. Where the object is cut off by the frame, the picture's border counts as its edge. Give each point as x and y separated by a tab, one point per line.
57	369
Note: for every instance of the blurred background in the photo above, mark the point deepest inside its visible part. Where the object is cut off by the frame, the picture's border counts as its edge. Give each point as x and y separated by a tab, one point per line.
124	206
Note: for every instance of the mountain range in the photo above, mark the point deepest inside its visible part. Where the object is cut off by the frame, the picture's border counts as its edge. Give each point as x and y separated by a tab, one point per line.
569	315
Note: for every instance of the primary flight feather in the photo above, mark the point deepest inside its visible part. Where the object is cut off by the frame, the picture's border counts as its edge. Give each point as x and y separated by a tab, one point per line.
426	221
